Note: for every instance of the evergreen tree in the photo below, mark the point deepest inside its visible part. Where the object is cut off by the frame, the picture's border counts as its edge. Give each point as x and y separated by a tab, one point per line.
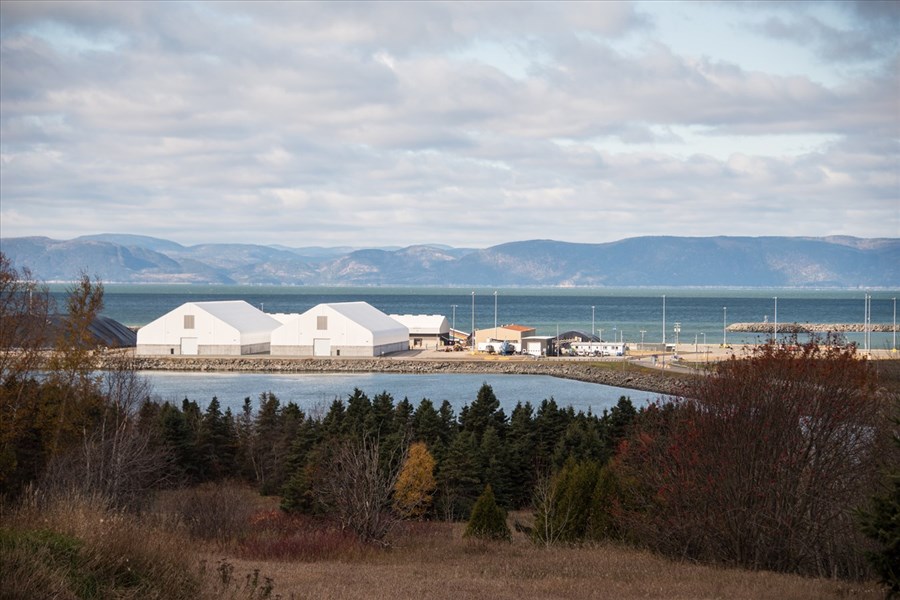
493	465
297	493
549	425
449	424
358	418
488	520
265	446
520	455
563	513
291	420
607	497
484	412
213	442
618	422
180	442
403	418
243	428
231	446
382	414
333	423
881	523
580	442
458	478
398	439
427	427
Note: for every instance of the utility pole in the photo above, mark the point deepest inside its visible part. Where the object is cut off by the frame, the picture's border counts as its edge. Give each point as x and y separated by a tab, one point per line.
775	325
453	306
664	332
495	314
473	322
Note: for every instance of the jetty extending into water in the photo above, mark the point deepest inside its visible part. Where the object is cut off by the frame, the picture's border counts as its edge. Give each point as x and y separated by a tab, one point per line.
767	327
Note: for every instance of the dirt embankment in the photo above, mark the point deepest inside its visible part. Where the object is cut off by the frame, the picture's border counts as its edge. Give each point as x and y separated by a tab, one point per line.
609	374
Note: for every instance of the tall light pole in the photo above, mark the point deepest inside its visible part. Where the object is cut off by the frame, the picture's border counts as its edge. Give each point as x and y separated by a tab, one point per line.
664	333
593	331
453	306
775	325
643	331
724	326
894	343
473	322
868	312
495	314
677	330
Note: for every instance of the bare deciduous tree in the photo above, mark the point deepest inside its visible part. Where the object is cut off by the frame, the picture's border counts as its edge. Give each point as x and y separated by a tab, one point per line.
552	516
357	488
116	459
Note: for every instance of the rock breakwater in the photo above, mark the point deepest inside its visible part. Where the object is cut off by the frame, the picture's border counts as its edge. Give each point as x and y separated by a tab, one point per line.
809	327
631	378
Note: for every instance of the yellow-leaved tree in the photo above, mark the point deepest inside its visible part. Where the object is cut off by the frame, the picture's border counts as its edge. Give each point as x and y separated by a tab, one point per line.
415	485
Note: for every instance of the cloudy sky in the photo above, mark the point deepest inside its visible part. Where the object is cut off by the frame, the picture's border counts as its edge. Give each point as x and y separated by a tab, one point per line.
468	124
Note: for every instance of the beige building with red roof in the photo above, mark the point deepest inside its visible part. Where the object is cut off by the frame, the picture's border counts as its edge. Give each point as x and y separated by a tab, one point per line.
503	333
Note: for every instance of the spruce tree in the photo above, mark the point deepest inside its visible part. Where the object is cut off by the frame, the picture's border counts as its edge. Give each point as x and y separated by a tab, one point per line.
882	525
488	520
493	465
520	454
358	418
382	415
458	478
484	412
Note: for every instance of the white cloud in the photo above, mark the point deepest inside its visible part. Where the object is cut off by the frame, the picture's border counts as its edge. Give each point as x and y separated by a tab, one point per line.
461	123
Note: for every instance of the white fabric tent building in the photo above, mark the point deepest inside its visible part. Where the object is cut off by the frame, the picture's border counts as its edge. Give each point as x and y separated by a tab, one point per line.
425	331
231	328
339	329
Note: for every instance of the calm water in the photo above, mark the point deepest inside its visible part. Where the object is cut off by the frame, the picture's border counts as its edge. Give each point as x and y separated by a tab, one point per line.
616	312
314	392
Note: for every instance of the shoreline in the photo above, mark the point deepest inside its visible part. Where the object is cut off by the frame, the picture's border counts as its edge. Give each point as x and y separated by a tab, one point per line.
618	373
639	371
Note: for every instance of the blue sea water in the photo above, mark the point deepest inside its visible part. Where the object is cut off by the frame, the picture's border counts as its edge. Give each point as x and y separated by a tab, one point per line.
626	312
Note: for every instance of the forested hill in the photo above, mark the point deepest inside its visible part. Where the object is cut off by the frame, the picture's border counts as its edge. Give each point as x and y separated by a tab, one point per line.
643	261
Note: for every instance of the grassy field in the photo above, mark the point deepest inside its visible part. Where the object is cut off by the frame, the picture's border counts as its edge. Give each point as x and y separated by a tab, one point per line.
434	561
249	550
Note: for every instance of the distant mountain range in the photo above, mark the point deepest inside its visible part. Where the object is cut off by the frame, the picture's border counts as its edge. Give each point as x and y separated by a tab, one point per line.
844	262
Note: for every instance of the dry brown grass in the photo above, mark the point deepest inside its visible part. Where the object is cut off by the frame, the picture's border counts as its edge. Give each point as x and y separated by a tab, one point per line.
427	560
74	546
431	560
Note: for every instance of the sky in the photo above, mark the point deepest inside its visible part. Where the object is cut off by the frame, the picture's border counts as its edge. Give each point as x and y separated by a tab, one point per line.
468	124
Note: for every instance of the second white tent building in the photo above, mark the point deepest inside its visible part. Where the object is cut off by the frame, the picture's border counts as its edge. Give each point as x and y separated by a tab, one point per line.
339	329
